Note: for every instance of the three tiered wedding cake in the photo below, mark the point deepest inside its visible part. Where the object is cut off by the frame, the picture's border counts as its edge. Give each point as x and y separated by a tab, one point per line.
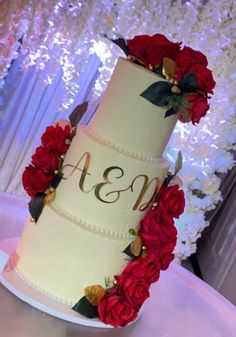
106	217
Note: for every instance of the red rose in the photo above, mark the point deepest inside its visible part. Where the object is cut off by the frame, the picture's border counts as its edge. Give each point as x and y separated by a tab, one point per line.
155	220
116	311
151	242
135	290
197	108
166	260
54	138
188	57
164	240
35	180
172	199
138	47
47	160
152	49
204	78
160	47
144	268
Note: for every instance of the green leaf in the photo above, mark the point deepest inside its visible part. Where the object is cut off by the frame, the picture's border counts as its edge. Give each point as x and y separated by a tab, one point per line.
78	113
188	83
158	70
170	112
178	164
128	252
120	42
168	179
85	308
36	205
56	180
158	93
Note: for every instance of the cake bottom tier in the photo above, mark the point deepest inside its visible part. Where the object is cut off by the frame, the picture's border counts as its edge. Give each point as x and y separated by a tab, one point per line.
60	256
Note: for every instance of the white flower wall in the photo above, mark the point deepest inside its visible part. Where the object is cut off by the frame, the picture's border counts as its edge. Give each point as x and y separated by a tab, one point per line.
60	31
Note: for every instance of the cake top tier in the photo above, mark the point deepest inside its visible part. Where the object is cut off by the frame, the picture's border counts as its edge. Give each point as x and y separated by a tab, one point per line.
127	119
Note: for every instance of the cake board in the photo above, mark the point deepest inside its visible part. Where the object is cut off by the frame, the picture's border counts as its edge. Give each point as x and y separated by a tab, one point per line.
11	280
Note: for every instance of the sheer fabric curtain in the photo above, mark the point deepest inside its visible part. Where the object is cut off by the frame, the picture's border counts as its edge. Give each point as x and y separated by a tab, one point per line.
26	109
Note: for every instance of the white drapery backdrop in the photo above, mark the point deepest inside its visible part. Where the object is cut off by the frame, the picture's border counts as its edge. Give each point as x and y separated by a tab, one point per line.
27	108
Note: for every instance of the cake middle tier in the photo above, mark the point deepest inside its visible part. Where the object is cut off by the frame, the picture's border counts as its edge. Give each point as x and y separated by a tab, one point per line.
104	187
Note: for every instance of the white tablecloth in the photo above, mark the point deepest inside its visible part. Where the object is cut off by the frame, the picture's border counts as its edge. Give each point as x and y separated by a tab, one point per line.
181	305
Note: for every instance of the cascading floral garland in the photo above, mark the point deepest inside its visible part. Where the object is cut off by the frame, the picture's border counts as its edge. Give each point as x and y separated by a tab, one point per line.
150	252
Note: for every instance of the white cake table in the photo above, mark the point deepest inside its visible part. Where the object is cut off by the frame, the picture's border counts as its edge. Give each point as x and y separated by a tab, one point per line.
181	305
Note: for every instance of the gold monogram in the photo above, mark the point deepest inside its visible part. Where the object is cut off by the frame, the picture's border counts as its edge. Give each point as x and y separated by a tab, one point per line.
98	188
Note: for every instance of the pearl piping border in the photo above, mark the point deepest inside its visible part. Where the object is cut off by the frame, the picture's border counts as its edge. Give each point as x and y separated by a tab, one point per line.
86	226
43	291
121	149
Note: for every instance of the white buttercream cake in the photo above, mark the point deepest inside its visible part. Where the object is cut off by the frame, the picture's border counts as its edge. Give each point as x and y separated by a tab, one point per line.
111	171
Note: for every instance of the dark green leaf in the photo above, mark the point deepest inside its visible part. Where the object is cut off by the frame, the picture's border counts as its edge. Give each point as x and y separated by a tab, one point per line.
85	308
128	252
179	161
178	102
120	42
159	93
158	70
78	113
168	179
188	83
56	180
36	206
170	112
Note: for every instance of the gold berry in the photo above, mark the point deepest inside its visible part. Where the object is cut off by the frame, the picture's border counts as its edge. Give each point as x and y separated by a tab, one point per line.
150	67
154	205
175	89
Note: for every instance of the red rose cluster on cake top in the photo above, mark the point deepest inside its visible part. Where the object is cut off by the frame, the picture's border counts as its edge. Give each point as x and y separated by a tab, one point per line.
190	81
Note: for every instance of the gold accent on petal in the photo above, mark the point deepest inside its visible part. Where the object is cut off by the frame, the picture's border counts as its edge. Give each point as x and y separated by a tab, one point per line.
49	197
94	293
169	68
136	246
